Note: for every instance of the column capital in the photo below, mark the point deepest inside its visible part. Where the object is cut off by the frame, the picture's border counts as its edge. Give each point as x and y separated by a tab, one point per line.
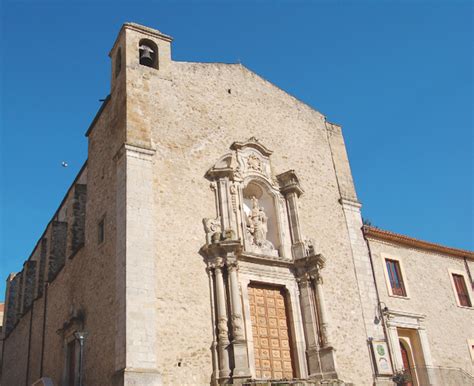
309	267
232	264
223	249
217	262
289	183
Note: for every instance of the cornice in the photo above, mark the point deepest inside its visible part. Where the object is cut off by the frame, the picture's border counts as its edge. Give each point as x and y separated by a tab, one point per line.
147	30
395	238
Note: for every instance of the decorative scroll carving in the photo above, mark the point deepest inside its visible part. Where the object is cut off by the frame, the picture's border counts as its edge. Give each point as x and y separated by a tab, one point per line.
232	265
213	229
237	327
254	163
233	193
324	335
222	330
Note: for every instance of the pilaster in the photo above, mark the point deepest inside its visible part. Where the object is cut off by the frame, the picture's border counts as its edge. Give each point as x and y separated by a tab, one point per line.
136	287
425	348
394	347
320	353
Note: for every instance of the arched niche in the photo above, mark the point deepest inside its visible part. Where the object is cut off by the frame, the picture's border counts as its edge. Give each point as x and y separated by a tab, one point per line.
148	53
261	217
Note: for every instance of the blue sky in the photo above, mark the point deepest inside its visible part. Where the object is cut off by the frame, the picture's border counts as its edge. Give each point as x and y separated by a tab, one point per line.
396	75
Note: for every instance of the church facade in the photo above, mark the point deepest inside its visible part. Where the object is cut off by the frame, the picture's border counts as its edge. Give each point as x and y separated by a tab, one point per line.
214	236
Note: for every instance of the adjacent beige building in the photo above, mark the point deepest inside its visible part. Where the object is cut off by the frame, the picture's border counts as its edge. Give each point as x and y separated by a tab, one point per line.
425	292
214	236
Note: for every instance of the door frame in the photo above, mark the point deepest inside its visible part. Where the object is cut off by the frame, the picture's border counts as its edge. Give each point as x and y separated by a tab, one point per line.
278	277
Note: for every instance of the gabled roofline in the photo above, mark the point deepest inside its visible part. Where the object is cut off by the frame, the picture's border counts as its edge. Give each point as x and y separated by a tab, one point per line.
392	237
97	115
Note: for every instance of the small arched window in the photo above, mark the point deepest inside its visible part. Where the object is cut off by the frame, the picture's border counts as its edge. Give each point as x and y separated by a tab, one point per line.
148	53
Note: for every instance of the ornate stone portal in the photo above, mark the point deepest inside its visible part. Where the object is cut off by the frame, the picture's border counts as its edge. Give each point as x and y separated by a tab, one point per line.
257	230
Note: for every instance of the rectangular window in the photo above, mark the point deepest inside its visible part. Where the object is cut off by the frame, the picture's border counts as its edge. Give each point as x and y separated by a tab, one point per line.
461	290
100	231
395	277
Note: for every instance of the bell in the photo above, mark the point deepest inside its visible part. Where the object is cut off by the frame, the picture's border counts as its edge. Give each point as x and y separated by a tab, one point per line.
146	56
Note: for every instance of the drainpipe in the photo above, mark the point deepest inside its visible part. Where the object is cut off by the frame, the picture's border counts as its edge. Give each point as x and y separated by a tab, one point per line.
382	319
468	271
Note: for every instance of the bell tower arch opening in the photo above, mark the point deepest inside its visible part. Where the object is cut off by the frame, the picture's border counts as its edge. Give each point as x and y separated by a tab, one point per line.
148	53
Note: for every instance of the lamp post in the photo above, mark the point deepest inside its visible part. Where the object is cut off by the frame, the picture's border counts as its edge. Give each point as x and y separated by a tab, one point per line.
81	337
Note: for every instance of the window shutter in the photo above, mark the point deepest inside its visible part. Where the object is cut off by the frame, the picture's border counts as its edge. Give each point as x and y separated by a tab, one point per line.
461	290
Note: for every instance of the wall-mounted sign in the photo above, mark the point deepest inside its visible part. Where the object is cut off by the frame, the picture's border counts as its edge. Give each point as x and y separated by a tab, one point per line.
382	358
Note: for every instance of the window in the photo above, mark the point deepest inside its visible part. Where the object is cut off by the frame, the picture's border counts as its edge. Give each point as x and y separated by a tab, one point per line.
101	231
148	53
461	290
395	277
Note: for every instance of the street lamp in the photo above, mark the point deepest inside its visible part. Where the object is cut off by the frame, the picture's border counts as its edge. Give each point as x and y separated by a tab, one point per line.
81	337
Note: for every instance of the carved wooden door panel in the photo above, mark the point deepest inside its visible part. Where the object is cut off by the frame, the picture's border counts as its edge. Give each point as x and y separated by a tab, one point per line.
271	335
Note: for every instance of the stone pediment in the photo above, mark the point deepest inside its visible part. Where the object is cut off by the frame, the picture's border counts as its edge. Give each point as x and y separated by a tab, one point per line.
253	143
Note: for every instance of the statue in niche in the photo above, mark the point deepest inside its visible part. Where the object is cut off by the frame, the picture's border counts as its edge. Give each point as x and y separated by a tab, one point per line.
257	228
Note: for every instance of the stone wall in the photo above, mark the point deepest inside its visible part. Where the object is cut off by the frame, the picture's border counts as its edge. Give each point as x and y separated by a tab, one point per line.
15	354
30	284
42	266
67	283
57	256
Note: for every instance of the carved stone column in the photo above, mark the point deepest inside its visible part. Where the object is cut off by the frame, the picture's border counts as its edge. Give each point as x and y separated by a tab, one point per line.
291	198
323	319
225	209
215	359
290	188
222	322
326	352
239	344
310	325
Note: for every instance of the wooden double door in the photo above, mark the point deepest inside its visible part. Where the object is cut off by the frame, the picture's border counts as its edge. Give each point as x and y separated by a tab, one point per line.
271	332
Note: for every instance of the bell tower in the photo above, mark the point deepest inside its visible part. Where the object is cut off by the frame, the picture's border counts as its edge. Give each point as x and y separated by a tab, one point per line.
141	69
137	45
141	60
